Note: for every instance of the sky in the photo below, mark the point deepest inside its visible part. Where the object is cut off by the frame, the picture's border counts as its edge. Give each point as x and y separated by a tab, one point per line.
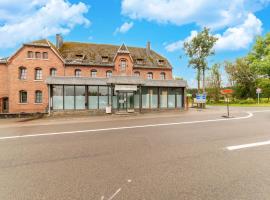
165	23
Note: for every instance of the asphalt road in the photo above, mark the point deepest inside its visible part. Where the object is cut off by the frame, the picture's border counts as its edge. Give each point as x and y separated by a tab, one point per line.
163	157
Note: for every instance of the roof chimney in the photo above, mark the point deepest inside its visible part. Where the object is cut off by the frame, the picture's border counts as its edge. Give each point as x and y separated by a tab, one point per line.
148	48
59	41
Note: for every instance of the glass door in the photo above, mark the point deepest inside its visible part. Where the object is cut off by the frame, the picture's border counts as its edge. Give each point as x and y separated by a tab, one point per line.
122	101
125	101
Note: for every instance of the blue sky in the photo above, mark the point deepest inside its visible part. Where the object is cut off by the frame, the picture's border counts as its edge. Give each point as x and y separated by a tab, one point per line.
166	23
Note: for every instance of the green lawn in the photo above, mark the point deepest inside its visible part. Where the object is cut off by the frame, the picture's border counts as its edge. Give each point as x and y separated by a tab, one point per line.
240	105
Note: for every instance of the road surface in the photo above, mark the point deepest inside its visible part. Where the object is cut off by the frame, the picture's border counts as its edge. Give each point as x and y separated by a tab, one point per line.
196	155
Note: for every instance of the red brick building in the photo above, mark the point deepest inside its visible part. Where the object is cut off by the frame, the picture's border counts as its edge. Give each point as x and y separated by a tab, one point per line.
43	77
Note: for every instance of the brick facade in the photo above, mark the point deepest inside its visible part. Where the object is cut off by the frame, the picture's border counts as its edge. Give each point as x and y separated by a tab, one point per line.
11	85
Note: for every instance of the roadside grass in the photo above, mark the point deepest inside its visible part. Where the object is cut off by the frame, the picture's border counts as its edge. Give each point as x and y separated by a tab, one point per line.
240	105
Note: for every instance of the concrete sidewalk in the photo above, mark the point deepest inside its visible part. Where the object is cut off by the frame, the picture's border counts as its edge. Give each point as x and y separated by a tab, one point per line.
69	119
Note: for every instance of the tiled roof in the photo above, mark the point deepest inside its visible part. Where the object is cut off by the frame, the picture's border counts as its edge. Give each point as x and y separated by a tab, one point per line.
87	53
76	53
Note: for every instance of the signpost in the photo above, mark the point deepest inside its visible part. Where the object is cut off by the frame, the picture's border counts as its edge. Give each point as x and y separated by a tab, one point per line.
258	91
200	100
226	92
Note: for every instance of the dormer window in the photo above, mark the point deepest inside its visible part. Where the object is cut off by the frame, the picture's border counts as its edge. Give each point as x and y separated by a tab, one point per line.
79	56
161	62
105	59
139	61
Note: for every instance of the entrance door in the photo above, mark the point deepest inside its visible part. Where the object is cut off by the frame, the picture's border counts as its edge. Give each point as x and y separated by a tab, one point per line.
122	101
5	105
125	101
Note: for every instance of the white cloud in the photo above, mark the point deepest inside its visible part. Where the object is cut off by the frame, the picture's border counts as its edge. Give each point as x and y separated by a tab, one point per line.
234	38
26	20
124	28
241	36
211	13
178	45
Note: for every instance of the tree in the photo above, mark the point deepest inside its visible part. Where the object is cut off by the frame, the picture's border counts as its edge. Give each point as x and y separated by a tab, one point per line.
259	57
242	77
264	84
198	49
214	82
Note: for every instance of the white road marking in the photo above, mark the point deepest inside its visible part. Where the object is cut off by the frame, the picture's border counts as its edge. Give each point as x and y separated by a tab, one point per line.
243	146
102	198
114	195
129	180
122	128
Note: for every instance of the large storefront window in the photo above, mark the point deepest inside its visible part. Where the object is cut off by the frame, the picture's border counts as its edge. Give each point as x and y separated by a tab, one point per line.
145	98
69	97
103	97
137	99
80	97
163	97
58	97
114	99
153	97
93	97
179	97
171	98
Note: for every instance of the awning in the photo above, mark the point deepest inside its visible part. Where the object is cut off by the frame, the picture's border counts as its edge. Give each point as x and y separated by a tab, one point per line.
126	88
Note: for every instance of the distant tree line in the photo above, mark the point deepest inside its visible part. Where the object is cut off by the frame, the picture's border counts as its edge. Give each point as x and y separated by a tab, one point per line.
244	75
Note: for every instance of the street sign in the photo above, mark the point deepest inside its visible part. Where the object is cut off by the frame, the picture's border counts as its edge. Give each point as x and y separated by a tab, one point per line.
226	91
258	91
189	95
200	98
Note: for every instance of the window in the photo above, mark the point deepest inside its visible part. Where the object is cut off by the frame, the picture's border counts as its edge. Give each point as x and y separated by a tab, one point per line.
105	59
38	55
161	62
103	97
139	61
149	75
58	97
30	54
163	98
137	74
22	73
38	97
69	97
93	97
45	55
38	74
79	97
53	72
171	98
78	73
93	73
109	74
23	96
80	56
162	76
123	65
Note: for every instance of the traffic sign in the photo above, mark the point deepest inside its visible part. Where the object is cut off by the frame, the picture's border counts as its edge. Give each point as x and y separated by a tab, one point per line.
258	90
226	91
200	98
